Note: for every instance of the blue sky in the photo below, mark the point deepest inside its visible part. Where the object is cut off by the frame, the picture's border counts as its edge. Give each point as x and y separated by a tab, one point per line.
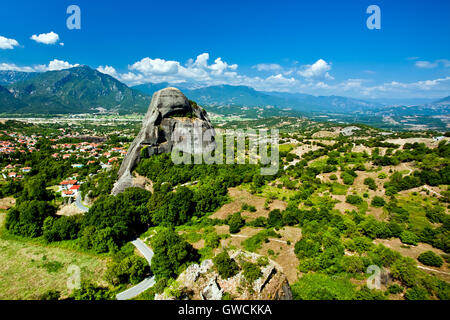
319	47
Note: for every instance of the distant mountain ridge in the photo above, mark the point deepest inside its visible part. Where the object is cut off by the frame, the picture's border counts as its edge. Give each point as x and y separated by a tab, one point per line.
8	77
227	95
84	90
76	90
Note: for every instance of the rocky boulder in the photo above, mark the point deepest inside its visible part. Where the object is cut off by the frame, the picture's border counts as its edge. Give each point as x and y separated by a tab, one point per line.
169	115
202	282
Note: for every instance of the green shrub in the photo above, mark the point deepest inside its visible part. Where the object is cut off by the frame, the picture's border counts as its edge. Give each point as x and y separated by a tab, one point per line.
378	202
236	222
416	293
409	237
395	289
319	286
370	183
354	199
251	271
429	258
225	266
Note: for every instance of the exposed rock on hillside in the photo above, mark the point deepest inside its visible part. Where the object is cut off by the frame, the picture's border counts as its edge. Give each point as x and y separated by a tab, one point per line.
202	282
169	117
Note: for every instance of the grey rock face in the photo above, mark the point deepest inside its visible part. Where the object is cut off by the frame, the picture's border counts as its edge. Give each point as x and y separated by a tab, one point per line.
169	117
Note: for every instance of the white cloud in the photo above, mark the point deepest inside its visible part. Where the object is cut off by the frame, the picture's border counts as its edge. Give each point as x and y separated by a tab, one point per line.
156	66
60	65
267	67
55	65
6	43
426	64
13	67
108	70
430	65
46	38
318	70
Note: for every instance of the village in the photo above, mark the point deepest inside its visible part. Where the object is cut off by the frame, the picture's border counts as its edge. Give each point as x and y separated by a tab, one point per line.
83	156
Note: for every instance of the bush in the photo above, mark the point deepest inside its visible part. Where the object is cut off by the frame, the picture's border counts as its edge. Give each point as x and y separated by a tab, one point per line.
370	183
354	199
395	289
236	222
50	295
251	272
429	258
378	202
369	294
416	293
319	286
409	237
405	270
275	218
352	264
225	266
89	291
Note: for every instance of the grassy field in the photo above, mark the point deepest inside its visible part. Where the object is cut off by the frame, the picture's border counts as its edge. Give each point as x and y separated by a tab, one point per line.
27	269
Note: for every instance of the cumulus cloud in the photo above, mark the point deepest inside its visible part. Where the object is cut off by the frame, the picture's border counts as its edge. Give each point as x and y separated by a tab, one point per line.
267	67
46	38
13	67
55	65
108	70
6	43
317	70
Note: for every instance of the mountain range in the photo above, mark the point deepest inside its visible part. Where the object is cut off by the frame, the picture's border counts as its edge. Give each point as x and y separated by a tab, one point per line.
76	90
85	90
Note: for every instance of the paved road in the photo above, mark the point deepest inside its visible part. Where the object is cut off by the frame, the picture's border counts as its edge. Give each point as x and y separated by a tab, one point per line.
145	284
80	204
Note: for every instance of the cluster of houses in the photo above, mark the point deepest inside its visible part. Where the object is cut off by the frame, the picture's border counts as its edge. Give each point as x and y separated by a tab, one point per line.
20	144
14	172
86	150
69	188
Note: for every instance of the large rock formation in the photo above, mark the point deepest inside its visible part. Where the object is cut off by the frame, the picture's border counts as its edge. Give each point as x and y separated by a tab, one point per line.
169	115
202	282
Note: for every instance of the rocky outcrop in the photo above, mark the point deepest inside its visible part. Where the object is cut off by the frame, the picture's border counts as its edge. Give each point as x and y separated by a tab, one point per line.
202	282
169	115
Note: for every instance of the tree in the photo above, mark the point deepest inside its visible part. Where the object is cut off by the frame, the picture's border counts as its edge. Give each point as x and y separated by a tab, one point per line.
171	253
378	201
225	266
132	269
236	222
27	218
35	188
89	291
275	218
116	219
409	237
175	208
251	272
354	199
429	258
405	270
370	183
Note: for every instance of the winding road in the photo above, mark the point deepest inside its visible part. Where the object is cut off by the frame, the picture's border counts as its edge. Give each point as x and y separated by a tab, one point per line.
146	283
146	252
79	204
